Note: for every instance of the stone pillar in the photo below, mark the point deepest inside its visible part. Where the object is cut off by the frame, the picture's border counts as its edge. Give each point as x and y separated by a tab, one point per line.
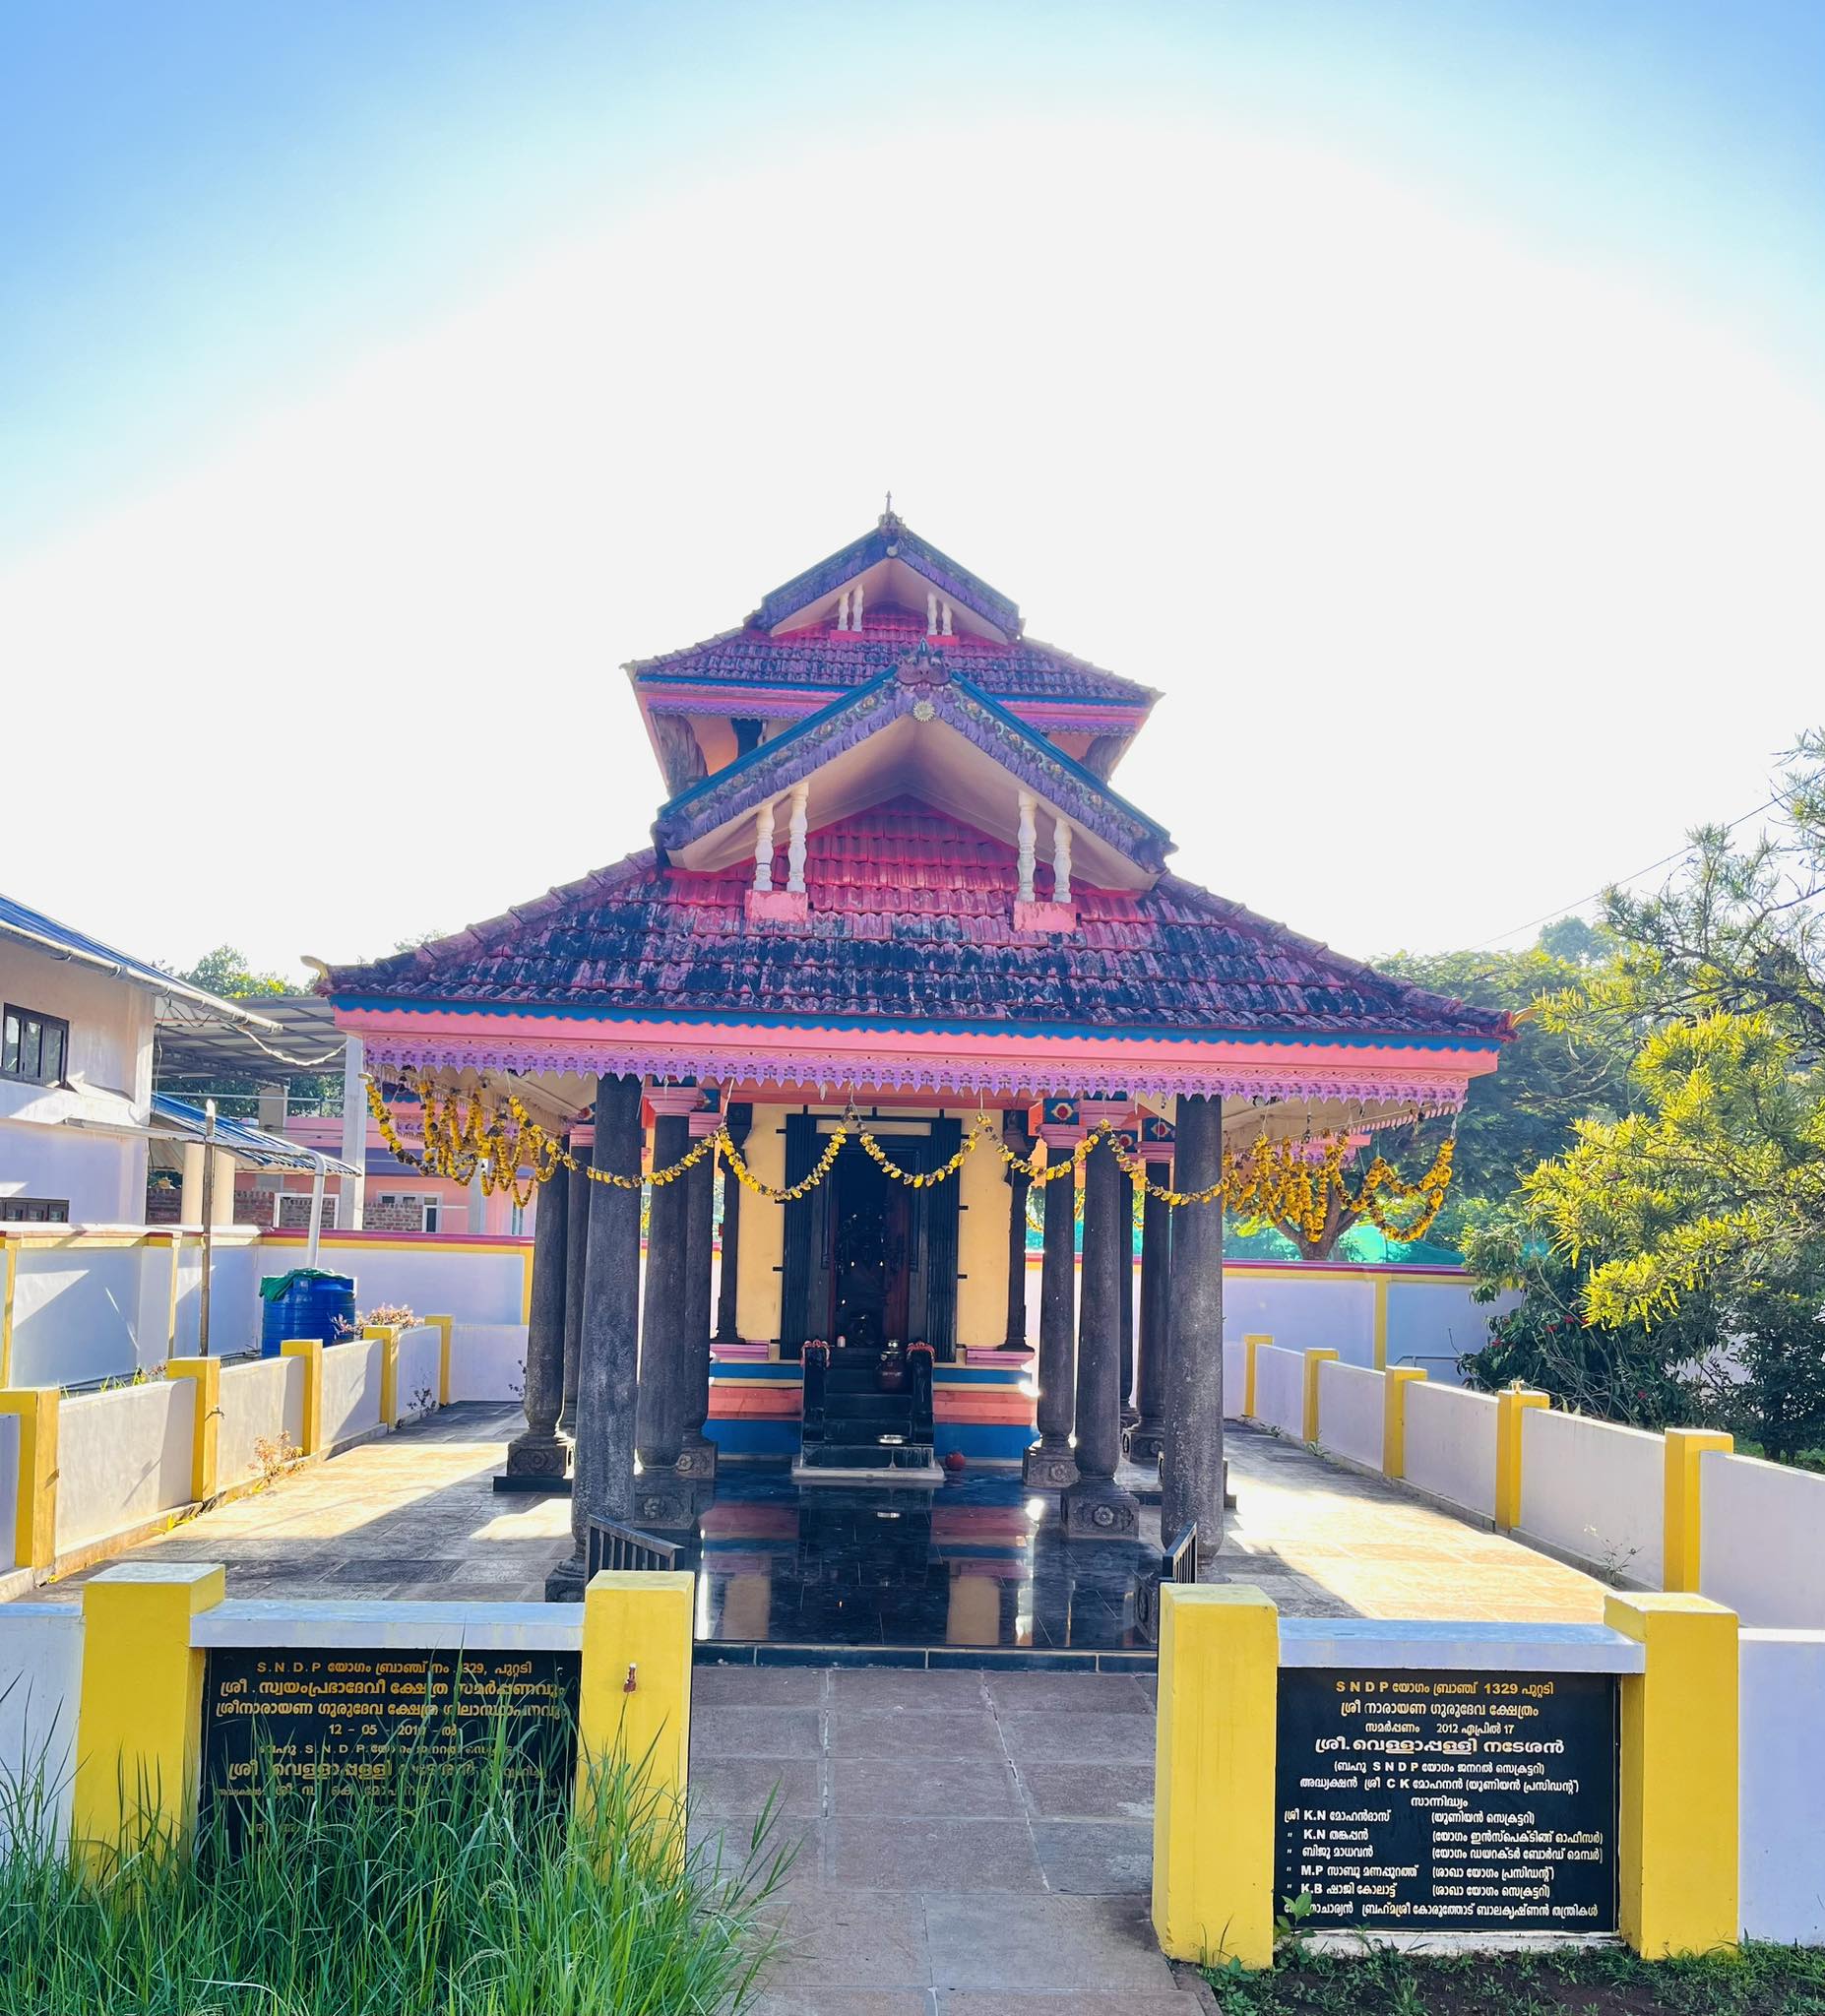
1191	1470
1015	1133
541	1451
607	1356
1128	1413
1049	1464
1096	1507
577	1188
661	1323
1156	1218
695	1452
738	1119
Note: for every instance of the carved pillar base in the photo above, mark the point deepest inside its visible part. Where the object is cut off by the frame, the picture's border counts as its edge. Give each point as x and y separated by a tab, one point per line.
1048	1467
538	1453
697	1459
564	1583
1146	1444
665	1502
1096	1509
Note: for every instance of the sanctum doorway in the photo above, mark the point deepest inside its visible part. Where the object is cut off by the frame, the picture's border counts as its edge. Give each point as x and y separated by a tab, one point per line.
867	1257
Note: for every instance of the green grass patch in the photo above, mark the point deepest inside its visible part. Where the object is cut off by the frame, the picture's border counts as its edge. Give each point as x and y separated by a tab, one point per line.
447	1891
1585	1980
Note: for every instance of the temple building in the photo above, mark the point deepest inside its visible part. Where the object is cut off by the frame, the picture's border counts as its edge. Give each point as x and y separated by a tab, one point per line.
899	950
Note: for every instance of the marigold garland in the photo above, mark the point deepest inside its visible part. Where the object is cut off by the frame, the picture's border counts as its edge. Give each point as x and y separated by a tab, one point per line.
1279	1182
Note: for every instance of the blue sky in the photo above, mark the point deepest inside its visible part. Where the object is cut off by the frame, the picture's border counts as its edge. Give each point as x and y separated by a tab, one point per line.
218	219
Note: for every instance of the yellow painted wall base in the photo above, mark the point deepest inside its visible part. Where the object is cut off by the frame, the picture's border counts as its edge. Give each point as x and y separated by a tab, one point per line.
1250	1345
443	1325
1678	1835
138	1736
35	1513
1213	1774
636	1685
206	1373
310	1350
1309	1420
1511	1405
1393	1418
1680	1527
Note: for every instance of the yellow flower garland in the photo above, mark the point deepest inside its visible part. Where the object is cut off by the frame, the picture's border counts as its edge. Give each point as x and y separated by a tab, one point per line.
1275	1182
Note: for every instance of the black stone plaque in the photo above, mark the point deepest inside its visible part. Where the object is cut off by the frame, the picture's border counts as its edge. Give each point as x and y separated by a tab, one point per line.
339	1716
1447	1801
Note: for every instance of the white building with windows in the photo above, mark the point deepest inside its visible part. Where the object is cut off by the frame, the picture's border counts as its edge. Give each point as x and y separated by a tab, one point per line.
77	1021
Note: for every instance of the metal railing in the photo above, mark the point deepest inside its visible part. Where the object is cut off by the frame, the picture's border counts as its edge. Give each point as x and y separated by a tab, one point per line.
609	1545
1176	1561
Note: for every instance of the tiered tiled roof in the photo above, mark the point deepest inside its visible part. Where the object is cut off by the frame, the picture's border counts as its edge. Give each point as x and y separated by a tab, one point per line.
911	915
891	538
823	659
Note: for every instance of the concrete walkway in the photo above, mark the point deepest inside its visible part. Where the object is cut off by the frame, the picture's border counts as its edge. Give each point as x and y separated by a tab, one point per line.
414	1515
968	1843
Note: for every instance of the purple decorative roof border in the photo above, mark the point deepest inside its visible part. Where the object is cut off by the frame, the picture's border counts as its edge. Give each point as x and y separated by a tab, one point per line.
775	766
1433	1092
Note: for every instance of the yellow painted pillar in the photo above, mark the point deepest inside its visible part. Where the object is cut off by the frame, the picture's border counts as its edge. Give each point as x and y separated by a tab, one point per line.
636	1684
1680	1531
310	1350
1395	1381
35	1514
443	1325
139	1731
1678	1845
1250	1345
204	1374
1214	1772
387	1336
1511	1405
1313	1359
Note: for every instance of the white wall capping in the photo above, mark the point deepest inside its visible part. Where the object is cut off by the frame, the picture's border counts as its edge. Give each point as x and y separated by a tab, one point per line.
1452	1646
444	1626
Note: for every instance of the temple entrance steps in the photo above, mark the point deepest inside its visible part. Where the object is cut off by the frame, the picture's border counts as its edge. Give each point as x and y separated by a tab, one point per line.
868	1415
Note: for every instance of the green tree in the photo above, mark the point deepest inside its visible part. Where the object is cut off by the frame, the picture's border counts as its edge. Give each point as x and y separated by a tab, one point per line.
1549	1076
224	972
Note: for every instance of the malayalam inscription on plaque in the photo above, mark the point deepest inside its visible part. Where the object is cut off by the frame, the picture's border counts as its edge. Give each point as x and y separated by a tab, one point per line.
340	1716
1448	1801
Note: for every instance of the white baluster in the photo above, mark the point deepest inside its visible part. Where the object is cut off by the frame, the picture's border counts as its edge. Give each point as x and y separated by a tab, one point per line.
857	625
763	849
947	619
1061	861
795	846
932	615
842	610
1028	845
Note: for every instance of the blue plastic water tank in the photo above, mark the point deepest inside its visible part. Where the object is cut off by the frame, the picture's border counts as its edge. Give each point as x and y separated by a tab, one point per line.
306	1303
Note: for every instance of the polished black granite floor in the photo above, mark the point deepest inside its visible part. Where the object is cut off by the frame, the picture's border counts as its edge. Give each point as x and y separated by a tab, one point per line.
978	1561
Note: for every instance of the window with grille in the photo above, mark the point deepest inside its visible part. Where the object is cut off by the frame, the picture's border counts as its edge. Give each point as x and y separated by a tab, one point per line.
33	1045
34	1209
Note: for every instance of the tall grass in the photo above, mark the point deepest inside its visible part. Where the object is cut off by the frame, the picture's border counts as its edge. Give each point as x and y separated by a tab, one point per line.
442	1893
